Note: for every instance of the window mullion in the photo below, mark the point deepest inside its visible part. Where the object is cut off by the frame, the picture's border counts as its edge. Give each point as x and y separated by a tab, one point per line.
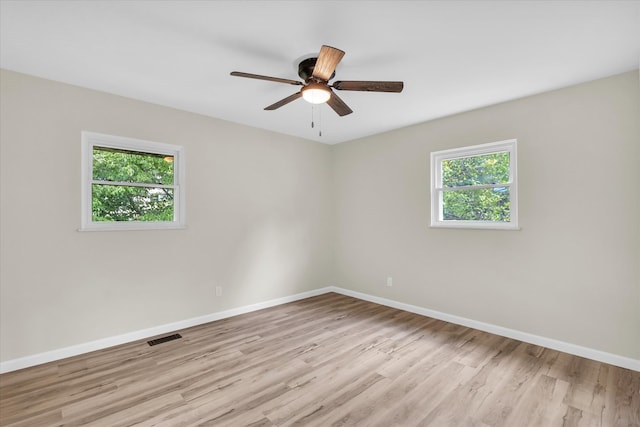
131	184
474	187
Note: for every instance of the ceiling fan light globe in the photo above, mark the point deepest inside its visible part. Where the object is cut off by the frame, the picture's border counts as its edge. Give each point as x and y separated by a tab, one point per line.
316	94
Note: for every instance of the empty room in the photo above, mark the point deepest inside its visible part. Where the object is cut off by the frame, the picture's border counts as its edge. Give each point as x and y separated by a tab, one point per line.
319	213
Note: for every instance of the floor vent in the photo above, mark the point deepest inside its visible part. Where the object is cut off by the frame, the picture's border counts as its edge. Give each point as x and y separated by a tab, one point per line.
164	339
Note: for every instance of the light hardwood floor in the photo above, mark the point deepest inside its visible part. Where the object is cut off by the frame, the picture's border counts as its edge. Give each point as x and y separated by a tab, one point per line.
329	360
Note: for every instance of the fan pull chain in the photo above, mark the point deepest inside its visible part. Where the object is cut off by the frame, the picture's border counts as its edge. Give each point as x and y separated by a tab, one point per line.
319	119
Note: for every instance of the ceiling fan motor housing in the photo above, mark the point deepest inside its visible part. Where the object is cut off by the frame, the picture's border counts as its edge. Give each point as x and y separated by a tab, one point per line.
305	69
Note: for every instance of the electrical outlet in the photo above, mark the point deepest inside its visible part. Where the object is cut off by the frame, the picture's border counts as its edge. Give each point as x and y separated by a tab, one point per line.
218	291
389	281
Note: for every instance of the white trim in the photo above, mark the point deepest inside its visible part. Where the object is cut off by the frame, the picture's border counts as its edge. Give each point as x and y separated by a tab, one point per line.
577	350
477	225
75	350
91	139
436	157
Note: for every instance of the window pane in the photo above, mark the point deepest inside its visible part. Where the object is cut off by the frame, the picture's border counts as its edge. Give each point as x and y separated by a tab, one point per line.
126	166
488	204
122	203
476	170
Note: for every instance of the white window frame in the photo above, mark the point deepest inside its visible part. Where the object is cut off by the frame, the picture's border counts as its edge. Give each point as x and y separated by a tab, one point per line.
437	190
91	140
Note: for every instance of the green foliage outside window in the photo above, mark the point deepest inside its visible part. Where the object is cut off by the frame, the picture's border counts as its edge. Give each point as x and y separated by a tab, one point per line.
114	200
476	204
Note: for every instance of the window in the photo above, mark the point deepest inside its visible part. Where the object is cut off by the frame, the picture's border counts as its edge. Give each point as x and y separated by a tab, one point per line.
130	184
475	187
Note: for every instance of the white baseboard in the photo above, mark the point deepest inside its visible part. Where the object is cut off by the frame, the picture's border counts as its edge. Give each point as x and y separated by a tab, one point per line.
577	350
62	353
50	356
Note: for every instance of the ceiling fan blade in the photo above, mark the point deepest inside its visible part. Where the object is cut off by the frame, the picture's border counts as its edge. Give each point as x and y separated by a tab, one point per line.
327	62
284	101
368	86
338	105
271	79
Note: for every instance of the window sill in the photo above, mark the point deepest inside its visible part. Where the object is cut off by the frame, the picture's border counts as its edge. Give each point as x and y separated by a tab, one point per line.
486	226
132	227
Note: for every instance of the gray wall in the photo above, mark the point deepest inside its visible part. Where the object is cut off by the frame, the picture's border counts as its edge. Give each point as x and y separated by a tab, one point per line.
258	216
571	273
270	216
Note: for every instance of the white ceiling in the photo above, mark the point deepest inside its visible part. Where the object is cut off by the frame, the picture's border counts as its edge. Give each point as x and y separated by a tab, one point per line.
453	56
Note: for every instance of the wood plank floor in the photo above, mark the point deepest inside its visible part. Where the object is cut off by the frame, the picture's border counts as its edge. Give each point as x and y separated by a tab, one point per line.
329	360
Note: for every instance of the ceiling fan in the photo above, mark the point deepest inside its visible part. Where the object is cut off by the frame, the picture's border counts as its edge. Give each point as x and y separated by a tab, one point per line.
316	73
